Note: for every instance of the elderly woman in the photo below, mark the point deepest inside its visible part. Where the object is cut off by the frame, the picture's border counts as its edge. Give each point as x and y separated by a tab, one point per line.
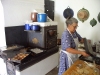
69	46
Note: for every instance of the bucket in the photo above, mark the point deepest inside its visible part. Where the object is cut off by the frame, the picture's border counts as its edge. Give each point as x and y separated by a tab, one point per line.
42	17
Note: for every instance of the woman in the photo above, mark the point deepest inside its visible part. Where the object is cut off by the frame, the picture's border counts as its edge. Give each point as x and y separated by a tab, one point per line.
69	44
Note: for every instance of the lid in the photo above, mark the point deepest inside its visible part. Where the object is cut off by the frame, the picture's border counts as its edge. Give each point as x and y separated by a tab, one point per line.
41	13
34	11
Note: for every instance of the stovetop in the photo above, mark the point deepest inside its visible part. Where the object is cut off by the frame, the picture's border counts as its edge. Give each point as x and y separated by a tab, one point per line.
36	59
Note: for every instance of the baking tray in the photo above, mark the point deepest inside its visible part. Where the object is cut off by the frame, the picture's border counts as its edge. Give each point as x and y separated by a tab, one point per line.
31	55
19	60
8	54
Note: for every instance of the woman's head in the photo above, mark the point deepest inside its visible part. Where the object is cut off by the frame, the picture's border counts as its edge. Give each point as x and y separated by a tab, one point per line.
72	24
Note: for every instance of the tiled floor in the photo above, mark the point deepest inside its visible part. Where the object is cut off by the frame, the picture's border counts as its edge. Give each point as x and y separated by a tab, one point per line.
53	72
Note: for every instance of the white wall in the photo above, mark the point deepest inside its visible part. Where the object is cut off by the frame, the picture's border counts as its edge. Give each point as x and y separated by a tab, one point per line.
84	29
16	12
2	31
2	39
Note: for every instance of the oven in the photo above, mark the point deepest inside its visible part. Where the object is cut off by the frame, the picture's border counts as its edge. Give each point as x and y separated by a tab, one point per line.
46	38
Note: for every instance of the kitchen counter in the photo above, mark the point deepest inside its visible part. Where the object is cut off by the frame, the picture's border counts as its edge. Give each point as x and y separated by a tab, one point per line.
83	68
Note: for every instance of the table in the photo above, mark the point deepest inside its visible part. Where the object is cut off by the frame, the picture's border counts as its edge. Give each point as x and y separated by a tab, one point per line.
81	67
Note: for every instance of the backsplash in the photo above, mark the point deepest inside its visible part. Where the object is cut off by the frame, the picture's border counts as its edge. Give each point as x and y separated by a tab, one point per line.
16	35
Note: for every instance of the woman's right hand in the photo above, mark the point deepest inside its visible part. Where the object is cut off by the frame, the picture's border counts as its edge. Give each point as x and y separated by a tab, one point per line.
84	53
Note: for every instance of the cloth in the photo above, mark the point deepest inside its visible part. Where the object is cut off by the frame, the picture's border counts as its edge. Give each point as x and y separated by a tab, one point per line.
67	41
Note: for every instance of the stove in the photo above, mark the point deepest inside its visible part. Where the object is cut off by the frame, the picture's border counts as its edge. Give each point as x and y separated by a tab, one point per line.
46	38
38	44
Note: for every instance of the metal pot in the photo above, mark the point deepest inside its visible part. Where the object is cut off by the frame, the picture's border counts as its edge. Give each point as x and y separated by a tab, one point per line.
35	27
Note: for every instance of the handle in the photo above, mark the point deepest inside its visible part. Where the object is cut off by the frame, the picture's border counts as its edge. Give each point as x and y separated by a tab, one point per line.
68	7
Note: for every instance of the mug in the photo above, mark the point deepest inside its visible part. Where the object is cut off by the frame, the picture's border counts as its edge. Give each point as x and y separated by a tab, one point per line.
27	27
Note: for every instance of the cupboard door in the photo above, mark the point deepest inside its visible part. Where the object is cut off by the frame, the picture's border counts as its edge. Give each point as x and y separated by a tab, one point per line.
49	9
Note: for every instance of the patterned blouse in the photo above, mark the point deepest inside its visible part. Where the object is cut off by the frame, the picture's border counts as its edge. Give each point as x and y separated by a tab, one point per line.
67	40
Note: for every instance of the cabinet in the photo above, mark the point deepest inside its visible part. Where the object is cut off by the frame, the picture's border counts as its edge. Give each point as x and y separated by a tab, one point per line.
49	9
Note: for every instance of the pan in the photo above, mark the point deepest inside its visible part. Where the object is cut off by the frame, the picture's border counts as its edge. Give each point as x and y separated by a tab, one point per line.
68	13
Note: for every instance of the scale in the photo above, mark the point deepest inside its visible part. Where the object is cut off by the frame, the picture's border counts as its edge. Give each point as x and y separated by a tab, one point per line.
93	55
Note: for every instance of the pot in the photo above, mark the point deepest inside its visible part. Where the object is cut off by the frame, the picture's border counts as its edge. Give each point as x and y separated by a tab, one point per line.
35	27
42	17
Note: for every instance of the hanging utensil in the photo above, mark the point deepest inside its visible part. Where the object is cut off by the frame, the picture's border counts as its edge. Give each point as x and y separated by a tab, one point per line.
83	14
68	13
98	17
93	22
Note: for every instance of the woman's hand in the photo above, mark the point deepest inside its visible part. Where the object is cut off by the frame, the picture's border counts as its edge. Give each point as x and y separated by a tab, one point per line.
84	53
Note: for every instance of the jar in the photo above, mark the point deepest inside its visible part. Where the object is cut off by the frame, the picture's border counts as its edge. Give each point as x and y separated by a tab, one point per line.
34	16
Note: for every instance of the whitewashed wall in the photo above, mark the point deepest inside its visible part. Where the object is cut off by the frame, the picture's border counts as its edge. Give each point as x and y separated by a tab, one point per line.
16	12
2	31
84	29
2	39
